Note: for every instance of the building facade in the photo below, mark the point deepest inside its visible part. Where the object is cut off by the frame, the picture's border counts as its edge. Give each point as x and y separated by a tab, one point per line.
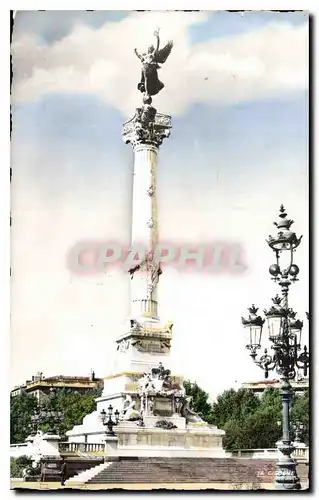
258	387
40	386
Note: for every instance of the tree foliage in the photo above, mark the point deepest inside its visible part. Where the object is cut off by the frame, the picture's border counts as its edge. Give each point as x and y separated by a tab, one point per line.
18	465
250	422
300	413
233	405
199	402
73	405
22	407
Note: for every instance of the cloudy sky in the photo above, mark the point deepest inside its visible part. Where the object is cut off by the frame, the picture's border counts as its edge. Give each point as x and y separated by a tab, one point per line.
236	86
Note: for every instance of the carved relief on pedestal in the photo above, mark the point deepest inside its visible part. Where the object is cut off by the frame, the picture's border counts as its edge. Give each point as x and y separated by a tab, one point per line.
135	326
123	345
150	223
177	403
151	190
154	272
142	439
151	267
150	408
152	346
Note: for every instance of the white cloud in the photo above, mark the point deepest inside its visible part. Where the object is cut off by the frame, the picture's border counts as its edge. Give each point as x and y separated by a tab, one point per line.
258	64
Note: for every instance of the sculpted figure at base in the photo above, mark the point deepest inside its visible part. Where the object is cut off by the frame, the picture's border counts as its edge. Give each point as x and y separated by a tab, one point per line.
166	384
151	60
129	412
190	415
146	384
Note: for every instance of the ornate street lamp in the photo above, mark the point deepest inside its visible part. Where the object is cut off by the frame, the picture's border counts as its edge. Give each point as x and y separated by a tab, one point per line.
53	417
46	416
298	428
35	421
253	326
49	415
284	332
108	421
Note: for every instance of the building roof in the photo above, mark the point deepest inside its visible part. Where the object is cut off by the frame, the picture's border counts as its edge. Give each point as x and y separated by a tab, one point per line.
274	382
67	378
59	380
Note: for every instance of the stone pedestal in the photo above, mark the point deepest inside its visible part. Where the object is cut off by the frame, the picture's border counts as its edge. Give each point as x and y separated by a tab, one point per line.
111	446
154	442
142	345
30	448
49	445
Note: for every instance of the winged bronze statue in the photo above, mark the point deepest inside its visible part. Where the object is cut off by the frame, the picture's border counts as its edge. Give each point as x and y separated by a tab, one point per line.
150	84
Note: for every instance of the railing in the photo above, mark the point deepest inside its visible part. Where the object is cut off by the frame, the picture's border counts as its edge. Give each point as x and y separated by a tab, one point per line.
300	454
18	449
82	448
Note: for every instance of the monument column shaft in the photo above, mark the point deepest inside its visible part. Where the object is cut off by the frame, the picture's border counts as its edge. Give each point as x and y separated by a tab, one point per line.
145	132
144	227
144	213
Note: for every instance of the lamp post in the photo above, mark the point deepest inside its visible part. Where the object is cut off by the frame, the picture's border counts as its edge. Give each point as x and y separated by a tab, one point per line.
48	415
108	421
284	331
35	421
298	428
53	417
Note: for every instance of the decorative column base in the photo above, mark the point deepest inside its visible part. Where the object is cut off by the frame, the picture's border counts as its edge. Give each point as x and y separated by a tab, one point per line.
50	445
111	446
286	477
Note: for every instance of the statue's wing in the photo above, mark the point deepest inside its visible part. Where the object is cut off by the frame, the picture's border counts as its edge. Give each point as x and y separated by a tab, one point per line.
162	54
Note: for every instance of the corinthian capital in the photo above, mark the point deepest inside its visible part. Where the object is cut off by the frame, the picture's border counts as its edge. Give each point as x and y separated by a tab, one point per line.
147	127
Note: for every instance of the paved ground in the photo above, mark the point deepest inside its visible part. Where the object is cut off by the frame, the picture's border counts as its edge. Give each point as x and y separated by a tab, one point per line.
184	486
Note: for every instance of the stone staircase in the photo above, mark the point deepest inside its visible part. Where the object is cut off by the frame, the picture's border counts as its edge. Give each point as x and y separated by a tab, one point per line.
141	470
87	475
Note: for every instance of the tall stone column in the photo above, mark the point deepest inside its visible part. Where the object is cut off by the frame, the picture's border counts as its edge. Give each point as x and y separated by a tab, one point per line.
145	339
144	232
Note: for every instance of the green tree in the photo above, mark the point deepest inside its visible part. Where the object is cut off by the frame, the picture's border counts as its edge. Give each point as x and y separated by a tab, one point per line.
253	423
271	398
300	413
199	402
257	430
233	406
17	465
22	407
261	429
235	435
74	406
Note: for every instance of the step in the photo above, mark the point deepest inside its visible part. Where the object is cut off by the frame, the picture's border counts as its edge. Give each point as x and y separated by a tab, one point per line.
87	474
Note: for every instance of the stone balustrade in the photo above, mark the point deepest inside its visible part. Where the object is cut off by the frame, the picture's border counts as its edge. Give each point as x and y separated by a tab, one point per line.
18	450
299	454
82	448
